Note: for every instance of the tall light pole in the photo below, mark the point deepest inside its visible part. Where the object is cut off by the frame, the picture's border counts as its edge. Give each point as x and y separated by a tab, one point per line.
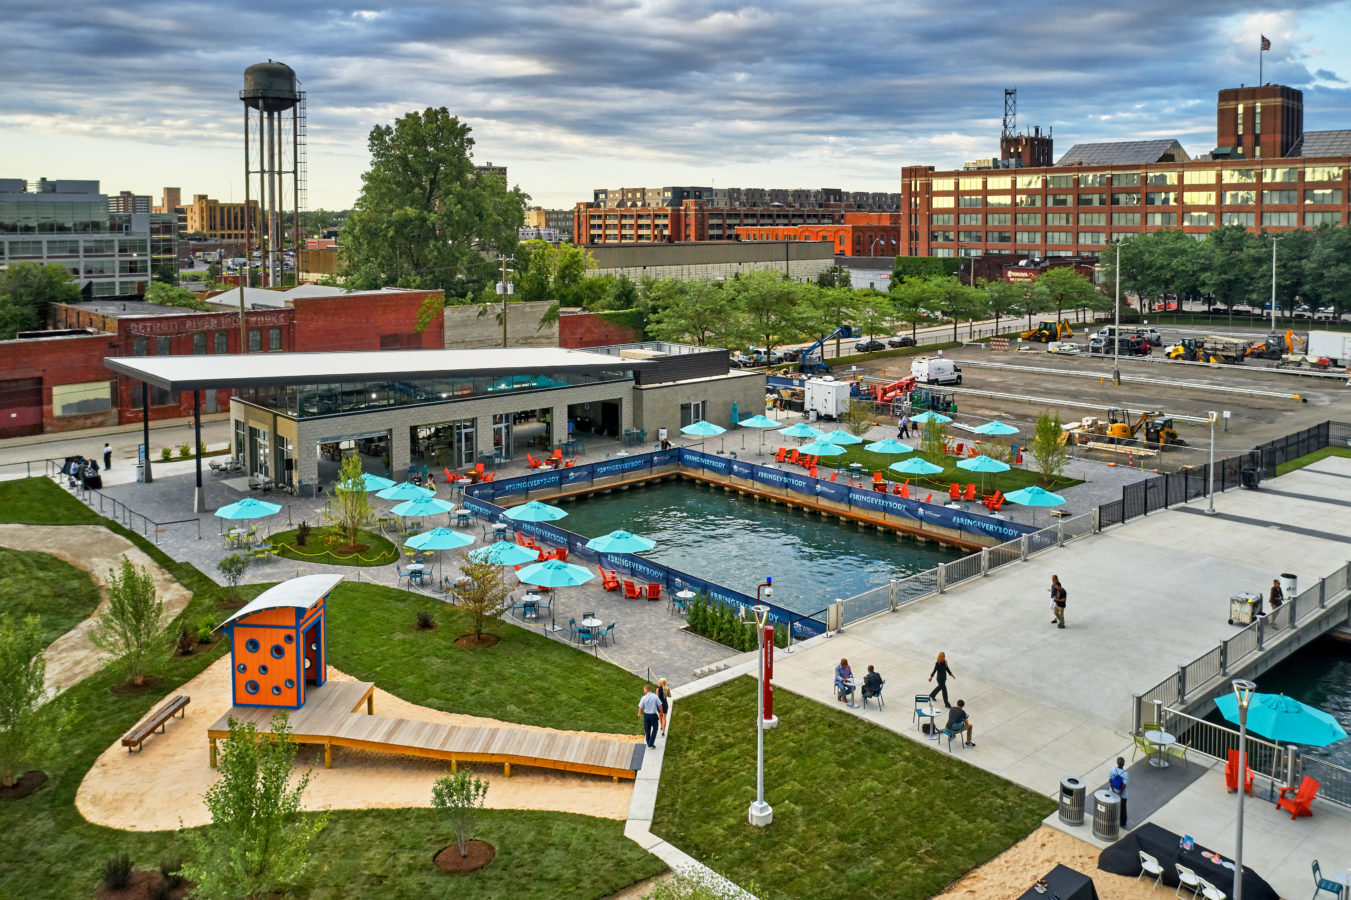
1210	470
761	813
504	289
1243	690
1116	320
1274	239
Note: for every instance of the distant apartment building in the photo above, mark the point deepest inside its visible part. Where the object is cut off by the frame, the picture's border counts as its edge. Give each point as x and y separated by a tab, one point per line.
1265	174
172	202
859	234
126	203
490	169
535	233
560	220
675	214
71	223
220	221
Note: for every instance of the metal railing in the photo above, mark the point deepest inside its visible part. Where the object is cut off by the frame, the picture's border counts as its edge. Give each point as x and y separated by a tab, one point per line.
1216	740
47	468
960	570
119	512
1334	781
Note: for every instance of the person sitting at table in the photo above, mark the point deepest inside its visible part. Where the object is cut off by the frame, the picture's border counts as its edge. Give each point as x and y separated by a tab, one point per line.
872	683
959	721
843	675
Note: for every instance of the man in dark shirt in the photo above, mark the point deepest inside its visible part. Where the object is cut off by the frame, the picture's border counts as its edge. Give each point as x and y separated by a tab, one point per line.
959	721
872	683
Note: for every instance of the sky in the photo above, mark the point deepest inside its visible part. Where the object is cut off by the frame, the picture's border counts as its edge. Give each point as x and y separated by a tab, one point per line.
628	93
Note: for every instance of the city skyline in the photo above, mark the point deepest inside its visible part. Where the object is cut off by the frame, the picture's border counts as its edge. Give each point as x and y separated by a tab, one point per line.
641	93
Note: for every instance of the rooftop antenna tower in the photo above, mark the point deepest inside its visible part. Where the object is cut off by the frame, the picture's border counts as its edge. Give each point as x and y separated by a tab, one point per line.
274	164
1010	112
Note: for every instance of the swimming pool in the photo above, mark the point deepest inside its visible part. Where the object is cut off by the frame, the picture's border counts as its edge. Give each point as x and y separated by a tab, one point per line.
736	542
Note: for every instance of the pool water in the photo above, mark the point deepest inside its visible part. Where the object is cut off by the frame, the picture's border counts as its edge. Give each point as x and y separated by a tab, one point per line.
736	542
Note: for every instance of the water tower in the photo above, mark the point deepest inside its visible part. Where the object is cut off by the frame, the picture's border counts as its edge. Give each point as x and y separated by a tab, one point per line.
274	151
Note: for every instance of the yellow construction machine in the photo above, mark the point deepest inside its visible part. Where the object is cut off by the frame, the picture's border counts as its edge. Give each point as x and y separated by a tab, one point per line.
1048	331
1275	346
1122	426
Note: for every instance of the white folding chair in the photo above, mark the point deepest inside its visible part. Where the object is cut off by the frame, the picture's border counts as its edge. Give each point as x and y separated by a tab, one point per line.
1150	866
1186	878
1209	891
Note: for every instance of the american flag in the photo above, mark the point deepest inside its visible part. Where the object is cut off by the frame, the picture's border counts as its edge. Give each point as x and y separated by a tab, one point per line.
1266	43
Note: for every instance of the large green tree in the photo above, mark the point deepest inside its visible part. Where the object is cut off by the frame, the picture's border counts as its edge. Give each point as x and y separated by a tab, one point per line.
695	312
27	289
173	295
425	218
1001	299
1064	287
768	303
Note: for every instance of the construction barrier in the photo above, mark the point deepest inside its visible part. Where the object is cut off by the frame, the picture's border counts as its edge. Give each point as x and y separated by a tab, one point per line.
998	344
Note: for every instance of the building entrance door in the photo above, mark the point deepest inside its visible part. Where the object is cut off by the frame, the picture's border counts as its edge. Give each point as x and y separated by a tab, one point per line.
502	435
462	443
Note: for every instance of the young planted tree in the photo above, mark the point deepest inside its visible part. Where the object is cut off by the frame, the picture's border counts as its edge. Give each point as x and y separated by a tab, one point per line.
257	841
133	627
461	797
27	730
349	506
857	417
1050	452
232	569
934	438
1002	298
482	597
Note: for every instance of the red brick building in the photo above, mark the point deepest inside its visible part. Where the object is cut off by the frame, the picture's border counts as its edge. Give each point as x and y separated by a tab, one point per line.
56	380
859	234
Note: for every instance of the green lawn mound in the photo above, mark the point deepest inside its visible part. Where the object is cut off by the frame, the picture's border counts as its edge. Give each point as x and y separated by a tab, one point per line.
524	678
325	546
859	811
40	501
39	584
1012	480
1311	458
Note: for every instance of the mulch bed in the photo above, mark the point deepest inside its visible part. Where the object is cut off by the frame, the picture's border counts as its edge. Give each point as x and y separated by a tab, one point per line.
141	886
28	782
431	627
131	687
472	643
480	854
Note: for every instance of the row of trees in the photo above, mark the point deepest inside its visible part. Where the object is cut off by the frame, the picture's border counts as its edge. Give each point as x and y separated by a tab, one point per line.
1232	267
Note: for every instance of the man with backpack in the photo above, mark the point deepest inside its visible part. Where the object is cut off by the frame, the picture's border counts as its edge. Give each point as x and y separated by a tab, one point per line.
1117	779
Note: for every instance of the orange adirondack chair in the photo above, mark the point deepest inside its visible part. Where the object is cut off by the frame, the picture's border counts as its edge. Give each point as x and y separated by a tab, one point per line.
997	501
812	472
954	491
778	457
557	455
653	591
561	554
970	492
631	591
450	479
878	479
1299	804
609	579
793	457
1231	775
570	463
534	463
489	477
834	475
929	498
905	490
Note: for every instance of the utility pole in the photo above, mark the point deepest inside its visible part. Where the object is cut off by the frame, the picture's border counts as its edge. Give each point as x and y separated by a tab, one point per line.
1274	239
1116	328
504	289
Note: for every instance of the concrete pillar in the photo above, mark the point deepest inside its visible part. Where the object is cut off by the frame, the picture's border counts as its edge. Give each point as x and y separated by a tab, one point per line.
558	425
307	456
400	451
483	436
198	497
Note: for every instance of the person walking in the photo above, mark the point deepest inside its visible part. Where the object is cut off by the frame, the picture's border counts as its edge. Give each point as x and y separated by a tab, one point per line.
904	431
107	455
1057	602
1275	599
1118	779
649	707
663	695
942	673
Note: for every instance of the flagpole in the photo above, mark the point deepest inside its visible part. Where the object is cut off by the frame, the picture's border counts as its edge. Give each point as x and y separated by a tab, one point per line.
1259	63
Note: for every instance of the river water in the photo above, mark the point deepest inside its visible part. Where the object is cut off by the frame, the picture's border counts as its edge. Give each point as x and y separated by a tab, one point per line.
1319	675
736	542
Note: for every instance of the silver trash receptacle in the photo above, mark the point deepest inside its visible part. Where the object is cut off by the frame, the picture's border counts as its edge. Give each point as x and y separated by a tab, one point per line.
1106	815
1289	586
1072	792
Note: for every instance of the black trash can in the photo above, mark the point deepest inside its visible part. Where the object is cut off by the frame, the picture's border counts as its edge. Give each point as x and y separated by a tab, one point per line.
1251	478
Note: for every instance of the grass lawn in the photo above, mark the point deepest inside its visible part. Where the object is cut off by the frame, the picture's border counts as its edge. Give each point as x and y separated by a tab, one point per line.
40	501
1011	480
322	547
525	678
39	584
1310	458
859	811
52	852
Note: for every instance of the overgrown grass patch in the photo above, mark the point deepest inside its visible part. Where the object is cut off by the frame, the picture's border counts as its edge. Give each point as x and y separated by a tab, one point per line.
1311	458
859	811
40	501
325	546
39	584
525	678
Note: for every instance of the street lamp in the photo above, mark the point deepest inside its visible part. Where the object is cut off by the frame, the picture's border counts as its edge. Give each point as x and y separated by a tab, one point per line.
1116	327
1243	690
1274	239
761	813
1210	470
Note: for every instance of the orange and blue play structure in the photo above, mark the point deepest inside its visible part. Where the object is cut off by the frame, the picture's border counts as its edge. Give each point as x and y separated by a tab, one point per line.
278	643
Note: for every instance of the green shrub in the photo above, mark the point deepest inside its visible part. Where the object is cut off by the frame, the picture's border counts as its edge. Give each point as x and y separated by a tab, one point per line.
184	451
205	626
165	453
302	534
117	872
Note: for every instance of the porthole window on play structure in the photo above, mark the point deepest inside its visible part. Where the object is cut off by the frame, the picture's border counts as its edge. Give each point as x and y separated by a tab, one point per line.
290	639
307	663
314	646
241	668
278	651
251	645
251	686
276	691
262	670
290	683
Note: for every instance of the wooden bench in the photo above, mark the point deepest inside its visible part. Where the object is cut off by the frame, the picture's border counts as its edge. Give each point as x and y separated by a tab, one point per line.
136	737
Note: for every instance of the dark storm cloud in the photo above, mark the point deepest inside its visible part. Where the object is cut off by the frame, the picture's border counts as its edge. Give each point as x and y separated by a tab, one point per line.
701	81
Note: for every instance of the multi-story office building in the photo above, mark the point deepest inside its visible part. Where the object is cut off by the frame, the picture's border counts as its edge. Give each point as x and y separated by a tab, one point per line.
220	221
860	234
684	213
559	220
70	223
1265	173
172	202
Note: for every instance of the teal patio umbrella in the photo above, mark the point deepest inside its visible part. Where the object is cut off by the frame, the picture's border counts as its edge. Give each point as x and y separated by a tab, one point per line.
821	448
842	437
553	574
404	491
930	416
889	446
423	506
620	542
1034	497
801	430
915	466
1283	718
370	482
534	511
982	464
995	427
439	539
702	429
504	553
759	423
248	508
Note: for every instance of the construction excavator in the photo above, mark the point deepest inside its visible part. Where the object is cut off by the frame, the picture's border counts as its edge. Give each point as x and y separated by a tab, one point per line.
1121	426
1048	331
1275	346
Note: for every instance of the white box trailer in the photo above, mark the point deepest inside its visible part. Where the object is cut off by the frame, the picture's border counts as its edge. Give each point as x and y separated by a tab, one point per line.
1335	345
826	397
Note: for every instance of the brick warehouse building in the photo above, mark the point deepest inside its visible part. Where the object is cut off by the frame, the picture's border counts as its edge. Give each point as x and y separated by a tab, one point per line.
860	234
1265	173
56	381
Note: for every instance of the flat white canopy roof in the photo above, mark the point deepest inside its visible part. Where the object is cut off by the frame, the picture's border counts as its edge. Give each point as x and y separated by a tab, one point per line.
191	373
301	593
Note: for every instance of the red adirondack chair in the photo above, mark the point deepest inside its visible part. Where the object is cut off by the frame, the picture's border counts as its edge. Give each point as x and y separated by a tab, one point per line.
929	499
609	579
489	477
905	491
653	591
783	452
534	463
1231	775
812	472
835	474
954	491
631	591
793	457
970	492
1299	804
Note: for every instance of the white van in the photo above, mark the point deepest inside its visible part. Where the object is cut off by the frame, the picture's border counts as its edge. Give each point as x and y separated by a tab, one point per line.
933	370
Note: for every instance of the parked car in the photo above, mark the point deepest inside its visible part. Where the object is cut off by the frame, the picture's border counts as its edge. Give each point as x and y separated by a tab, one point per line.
790	355
1129	346
901	340
1152	336
869	346
1063	348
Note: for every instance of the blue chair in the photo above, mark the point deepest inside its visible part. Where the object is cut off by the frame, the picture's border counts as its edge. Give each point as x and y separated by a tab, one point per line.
922	702
1335	888
877	696
608	632
572	629
949	734
401	573
585	636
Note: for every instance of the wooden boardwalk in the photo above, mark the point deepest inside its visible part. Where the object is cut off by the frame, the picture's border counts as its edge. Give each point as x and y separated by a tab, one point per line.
331	718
